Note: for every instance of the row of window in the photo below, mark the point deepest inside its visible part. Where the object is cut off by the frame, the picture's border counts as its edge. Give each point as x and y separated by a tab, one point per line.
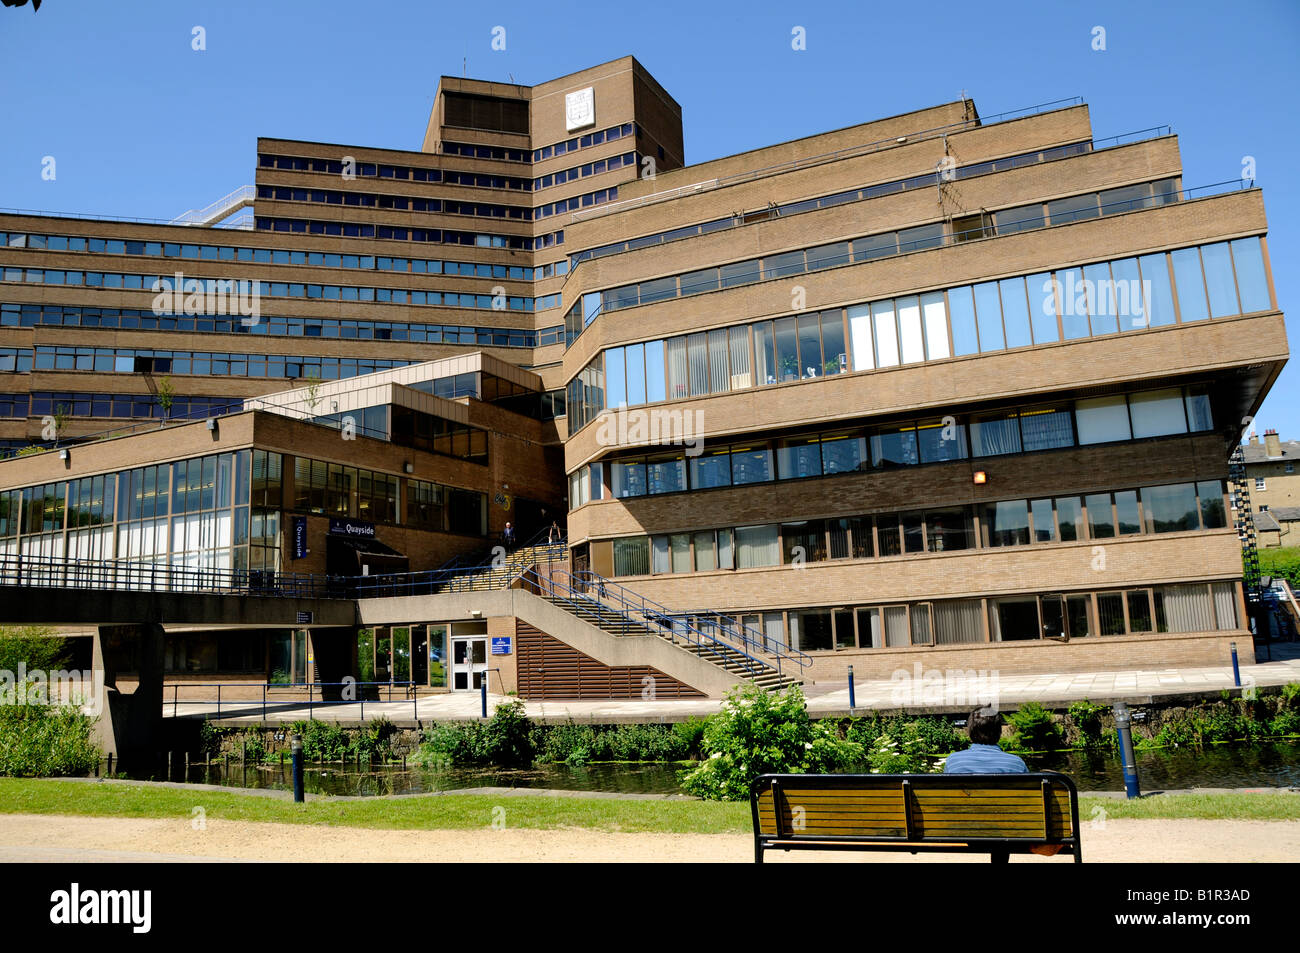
443	236
586	200
1157	290
1134	416
582	171
278	256
405	203
46	403
217	481
146	360
1194	607
34	315
15	360
925	180
803	260
212	287
1180	507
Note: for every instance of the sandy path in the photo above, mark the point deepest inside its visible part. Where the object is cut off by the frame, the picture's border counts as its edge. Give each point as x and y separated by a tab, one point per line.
26	837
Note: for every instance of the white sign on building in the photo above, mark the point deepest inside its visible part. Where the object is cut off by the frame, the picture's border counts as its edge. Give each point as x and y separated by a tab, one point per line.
579	109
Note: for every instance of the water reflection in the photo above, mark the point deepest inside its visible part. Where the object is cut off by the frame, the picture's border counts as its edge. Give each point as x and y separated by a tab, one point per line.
1275	764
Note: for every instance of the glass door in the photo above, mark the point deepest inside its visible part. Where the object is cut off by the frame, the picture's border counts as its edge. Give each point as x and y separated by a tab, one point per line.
468	663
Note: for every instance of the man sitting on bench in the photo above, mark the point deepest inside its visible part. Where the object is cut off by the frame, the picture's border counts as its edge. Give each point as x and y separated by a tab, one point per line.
985	757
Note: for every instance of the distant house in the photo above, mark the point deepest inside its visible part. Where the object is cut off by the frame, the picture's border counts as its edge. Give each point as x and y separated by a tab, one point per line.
1278	526
1273	468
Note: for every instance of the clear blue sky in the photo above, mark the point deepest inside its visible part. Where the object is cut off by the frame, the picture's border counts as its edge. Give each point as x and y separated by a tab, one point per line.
142	125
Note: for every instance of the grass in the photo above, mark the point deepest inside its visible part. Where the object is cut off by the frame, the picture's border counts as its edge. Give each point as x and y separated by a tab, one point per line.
475	811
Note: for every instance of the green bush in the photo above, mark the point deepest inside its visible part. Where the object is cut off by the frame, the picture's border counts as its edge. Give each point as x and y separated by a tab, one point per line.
1086	720
691	732
507	737
322	740
45	741
35	647
758	732
1034	729
374	740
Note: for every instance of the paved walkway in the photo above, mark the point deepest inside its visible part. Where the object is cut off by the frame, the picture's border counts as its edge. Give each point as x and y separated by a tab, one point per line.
920	691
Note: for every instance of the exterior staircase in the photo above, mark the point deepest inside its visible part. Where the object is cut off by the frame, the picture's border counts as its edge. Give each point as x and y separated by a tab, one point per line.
615	609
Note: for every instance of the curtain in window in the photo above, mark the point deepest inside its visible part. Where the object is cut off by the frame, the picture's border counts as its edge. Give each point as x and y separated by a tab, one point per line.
659	554
1188	608
678	376
757	546
896	625
740	376
956	622
699	358
1225	604
631	557
719	362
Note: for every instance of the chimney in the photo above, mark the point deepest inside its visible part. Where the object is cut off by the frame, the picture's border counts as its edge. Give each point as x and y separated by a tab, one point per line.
1272	444
1254	439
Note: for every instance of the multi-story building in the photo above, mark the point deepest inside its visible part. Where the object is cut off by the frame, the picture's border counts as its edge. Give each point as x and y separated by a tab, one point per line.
935	388
1274	486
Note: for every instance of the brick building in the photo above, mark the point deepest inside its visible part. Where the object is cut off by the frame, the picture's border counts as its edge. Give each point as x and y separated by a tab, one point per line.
934	387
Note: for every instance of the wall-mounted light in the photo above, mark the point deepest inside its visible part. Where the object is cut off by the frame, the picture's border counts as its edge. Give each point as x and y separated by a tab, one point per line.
64	455
476	613
981	477
408	467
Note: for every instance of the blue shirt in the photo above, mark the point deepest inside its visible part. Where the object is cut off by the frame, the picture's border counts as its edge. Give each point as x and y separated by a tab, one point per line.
983	759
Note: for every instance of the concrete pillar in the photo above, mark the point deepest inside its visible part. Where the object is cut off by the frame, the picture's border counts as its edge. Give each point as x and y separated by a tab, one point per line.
129	725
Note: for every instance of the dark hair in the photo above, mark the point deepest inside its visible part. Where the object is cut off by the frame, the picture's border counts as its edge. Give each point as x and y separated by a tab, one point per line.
984	726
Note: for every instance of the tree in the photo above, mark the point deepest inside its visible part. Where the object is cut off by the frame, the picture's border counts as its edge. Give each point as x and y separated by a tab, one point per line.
36	4
313	392
166	397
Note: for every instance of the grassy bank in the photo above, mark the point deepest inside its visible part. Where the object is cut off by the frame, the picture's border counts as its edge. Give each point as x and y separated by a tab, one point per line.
474	811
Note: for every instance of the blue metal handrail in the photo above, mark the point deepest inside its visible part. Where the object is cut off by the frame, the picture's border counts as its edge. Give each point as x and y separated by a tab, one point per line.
644	613
729	625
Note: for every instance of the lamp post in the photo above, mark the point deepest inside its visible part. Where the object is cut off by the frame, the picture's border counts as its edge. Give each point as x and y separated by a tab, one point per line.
295	748
1124	727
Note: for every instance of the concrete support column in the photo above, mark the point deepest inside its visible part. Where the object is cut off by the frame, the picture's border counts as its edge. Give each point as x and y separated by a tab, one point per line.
129	725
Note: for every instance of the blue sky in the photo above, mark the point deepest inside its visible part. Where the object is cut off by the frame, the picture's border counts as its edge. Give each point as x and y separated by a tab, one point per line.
142	125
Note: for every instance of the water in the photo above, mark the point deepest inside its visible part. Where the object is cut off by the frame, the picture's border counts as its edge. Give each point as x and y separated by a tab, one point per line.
1275	764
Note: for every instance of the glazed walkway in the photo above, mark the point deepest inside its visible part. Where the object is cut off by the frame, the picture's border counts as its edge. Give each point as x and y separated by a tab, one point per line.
931	691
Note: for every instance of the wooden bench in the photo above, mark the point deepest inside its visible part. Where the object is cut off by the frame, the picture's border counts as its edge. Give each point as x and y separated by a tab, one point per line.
995	814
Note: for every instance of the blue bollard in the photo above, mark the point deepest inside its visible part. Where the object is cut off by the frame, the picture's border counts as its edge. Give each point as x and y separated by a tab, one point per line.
1236	669
1124	727
295	746
853	701
482	690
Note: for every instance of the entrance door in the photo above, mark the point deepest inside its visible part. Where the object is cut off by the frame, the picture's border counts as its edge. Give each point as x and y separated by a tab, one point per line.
468	663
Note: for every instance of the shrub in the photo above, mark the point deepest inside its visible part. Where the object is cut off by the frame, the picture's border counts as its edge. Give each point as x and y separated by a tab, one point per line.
1034	729
569	744
374	740
758	732
1086	720
45	741
322	740
35	647
691	732
507	737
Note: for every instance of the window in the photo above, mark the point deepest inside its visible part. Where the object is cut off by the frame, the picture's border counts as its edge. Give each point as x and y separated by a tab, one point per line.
1102	420
949	530
751	465
711	469
1210	493
1252	283
1260	483
1069	518
1110	613
1101	521
1190	284
994	434
961	309
632	556
757	546
843	453
894	447
1158	412
799	457
1170	509
1007	523
941	440
803	542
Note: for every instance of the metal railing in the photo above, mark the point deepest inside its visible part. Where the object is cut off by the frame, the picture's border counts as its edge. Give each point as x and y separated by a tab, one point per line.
635	610
749	638
240	706
241	197
141	576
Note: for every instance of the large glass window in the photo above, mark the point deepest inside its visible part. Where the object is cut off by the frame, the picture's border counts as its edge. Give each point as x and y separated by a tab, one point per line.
1102	419
860	334
1101	521
1252	283
751	465
1007	523
994	434
894	447
1015	312
843	453
1042	307
1219	280
961	310
757	546
1047	428
711	469
632	556
988	312
1157	412
1210	493
1158	292
1190	284
1170	509
941	440
935	314
666	474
